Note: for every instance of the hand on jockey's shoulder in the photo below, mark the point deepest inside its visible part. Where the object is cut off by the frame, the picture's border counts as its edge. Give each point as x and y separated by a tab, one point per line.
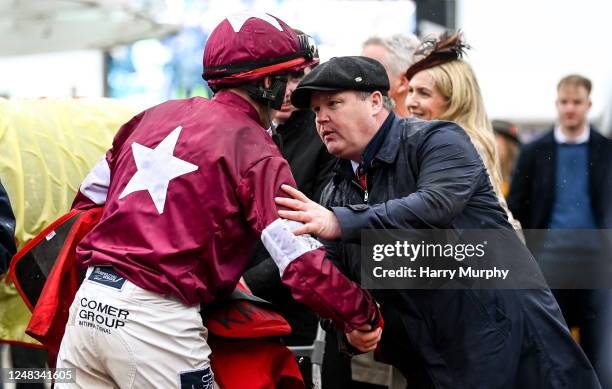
317	220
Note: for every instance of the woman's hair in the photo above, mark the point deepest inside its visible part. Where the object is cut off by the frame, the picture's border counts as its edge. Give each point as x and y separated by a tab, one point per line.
456	82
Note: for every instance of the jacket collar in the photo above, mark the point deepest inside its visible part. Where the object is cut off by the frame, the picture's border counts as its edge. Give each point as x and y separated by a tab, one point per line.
389	148
373	148
560	137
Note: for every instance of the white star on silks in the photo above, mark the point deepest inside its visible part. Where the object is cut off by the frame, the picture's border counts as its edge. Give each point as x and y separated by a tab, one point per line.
237	20
156	168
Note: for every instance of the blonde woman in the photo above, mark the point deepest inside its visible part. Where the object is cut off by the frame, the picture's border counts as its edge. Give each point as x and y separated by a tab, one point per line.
443	86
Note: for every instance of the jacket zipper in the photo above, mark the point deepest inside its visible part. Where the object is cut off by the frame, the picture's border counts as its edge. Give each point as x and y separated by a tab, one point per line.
365	192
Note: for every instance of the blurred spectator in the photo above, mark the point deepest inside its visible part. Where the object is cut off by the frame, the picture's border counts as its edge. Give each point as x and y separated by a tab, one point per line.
395	54
450	91
22	357
7	231
508	145
561	182
7	237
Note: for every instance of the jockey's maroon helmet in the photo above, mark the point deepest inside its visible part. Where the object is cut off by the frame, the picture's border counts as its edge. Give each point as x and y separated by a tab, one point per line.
247	47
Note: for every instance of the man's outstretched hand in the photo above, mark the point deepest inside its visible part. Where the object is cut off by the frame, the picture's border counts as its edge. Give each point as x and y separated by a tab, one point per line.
317	220
364	339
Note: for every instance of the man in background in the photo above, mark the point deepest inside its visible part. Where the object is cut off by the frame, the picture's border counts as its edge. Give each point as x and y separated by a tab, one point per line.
560	183
395	54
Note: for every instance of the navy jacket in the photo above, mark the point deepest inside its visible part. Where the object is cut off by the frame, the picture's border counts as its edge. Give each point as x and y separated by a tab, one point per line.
429	175
533	184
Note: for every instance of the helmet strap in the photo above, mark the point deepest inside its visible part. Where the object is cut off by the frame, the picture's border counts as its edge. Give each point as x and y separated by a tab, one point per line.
271	96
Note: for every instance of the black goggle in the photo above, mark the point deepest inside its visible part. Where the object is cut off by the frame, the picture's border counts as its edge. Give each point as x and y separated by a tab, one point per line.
308	47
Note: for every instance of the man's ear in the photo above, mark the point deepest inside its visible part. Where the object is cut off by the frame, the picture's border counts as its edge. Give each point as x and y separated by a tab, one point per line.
403	84
377	101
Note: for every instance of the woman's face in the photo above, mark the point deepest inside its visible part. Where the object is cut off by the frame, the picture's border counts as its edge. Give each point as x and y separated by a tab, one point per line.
423	100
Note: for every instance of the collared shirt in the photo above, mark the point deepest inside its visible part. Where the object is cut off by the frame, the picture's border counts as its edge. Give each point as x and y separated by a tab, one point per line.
584	136
374	145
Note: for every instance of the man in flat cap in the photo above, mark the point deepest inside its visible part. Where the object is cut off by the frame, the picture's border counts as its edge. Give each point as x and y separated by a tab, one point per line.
409	174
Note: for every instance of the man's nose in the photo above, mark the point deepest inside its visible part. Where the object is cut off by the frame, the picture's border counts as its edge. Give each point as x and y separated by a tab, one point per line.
321	121
322	117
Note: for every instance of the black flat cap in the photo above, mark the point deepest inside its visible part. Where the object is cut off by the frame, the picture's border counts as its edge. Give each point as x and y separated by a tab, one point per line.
339	74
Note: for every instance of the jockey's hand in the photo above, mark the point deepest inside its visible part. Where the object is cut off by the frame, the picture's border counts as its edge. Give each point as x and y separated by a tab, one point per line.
364	339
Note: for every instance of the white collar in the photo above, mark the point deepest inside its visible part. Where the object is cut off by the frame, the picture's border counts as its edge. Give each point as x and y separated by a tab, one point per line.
560	137
355	166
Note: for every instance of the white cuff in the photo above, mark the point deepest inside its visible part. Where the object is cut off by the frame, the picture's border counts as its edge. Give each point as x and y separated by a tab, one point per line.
283	245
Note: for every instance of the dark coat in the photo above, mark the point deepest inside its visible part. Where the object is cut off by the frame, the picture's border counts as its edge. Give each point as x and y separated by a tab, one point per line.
574	260
532	192
7	230
311	166
429	175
